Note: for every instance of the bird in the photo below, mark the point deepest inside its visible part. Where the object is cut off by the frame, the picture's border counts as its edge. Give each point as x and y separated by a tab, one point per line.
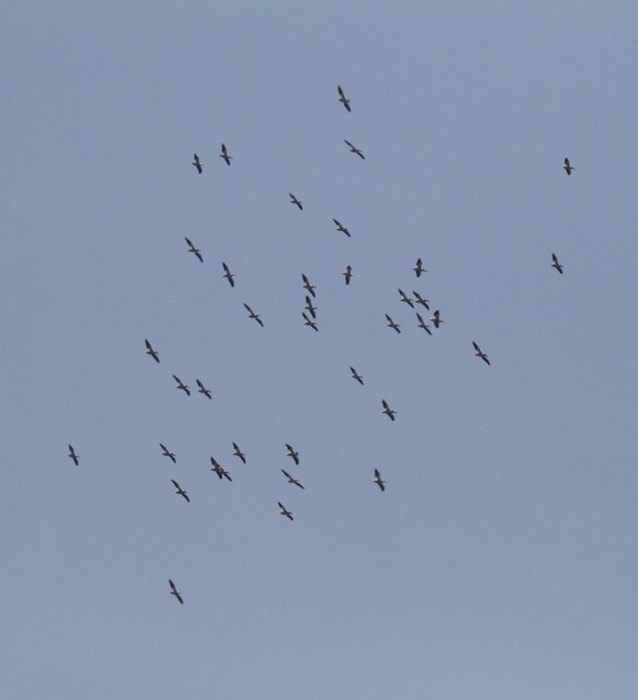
418	268
388	410
224	155
568	168
342	99
291	480
355	150
180	490
166	453
180	385
556	264
420	300
308	322
342	228
153	353
73	456
480	354
283	511
308	286
348	274
294	200
175	592
424	325
228	275
407	300
292	453
392	324
252	314
356	376
310	307
219	470
202	389
197	164
436	319
192	249
378	480
239	453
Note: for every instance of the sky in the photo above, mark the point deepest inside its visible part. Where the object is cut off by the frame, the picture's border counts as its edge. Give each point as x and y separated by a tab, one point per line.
500	561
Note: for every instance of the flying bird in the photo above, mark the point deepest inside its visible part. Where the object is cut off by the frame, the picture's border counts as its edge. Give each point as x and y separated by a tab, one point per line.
291	480
197	164
192	249
556	264
73	456
292	453
219	470
175	592
294	200
153	353
356	376
348	274
202	389
224	155
378	480
228	275
436	318
180	385
310	307
392	324
418	268
355	150
342	99
388	410
480	354
180	490
308	322
166	453
420	300
283	511
239	453
252	314
567	167
342	228
308	286
407	300
423	324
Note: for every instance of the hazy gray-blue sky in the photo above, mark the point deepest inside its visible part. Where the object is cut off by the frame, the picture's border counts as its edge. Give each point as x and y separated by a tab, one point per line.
500	562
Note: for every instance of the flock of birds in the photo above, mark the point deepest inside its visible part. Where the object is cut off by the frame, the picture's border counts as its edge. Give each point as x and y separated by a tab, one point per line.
311	309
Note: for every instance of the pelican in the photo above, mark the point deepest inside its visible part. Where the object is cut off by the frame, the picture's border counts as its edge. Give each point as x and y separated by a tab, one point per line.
224	155
436	319
378	480
294	200
283	511
342	98
310	307
202	389
228	275
480	354
291	480
355	150
308	286
219	470
407	300
180	385
175	592
388	410
356	376
180	490
151	352
556	264
348	274
197	164
252	314
192	249
419	300
567	167
392	324
308	322
166	453
418	268
342	228
423	324
73	456
293	454
239	453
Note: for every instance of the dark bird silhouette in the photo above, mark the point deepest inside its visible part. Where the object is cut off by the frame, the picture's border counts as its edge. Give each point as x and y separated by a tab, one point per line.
356	376
291	480
283	511
420	300
252	314
355	150
342	228
180	490
407	300
175	592
418	268
166	453
310	307
424	325
239	453
568	168
153	353
387	410
181	385
197	164
556	264
292	453
480	354
219	470
73	456
308	322
342	99
294	200
378	480
192	249
228	275
436	319
308	286
202	389
392	324
224	155
348	274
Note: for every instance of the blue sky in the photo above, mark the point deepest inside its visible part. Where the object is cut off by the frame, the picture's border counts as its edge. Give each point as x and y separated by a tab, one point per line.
500	561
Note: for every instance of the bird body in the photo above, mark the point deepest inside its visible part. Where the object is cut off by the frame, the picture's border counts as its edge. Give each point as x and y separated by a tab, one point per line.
202	389
387	410
378	480
308	286
167	453
294	200
153	353
342	228
424	325
356	376
556	264
348	274
283	511
73	456
292	453
181	385
310	307
192	249
252	314
219	470
418	268
436	319
407	300
420	300
175	592
342	99
239	453
480	354
355	150
180	490
392	324
567	167
291	480
228	275
308	322
197	164
224	155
